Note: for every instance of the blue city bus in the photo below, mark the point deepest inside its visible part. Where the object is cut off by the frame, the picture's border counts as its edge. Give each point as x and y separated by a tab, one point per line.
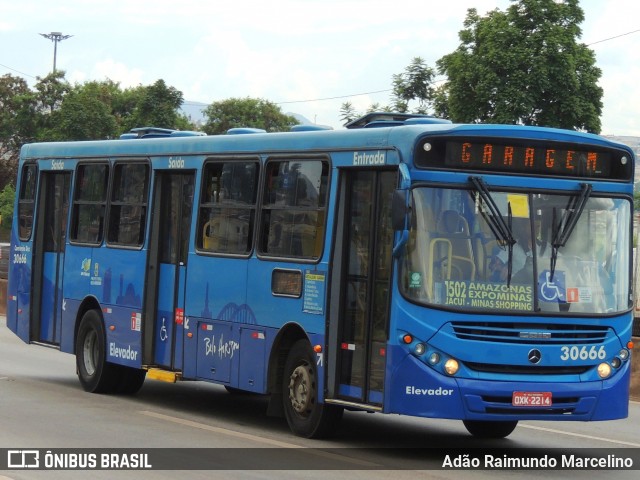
402	265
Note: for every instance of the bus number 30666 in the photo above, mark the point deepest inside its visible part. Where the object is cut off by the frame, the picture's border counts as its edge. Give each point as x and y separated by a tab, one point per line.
583	353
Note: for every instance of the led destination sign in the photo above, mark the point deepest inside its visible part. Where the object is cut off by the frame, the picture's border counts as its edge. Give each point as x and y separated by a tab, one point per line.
525	156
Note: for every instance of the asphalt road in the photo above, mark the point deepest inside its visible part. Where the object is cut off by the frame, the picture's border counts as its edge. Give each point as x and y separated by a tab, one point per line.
42	406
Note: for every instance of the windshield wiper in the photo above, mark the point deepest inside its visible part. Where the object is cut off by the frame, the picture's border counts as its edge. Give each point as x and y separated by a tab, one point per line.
561	231
501	230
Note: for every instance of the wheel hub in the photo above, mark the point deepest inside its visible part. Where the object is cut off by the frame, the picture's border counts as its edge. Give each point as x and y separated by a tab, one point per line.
90	353
300	390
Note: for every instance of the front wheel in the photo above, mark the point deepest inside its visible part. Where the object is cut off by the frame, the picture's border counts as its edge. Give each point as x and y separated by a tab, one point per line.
483	429
305	416
94	373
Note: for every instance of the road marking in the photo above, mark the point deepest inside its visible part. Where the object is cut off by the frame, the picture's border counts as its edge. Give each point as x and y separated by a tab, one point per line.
580	435
224	431
255	438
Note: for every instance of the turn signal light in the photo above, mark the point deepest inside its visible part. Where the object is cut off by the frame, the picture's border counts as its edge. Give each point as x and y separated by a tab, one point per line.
407	339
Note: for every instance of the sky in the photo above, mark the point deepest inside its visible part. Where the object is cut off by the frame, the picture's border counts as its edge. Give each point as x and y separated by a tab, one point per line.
307	56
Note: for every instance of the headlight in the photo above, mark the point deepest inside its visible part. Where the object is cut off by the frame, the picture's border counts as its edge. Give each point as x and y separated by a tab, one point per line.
451	366
604	370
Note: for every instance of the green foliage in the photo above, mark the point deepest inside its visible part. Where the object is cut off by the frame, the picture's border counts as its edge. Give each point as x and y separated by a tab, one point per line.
523	66
348	112
17	123
57	111
246	112
83	116
7	197
50	91
415	83
154	105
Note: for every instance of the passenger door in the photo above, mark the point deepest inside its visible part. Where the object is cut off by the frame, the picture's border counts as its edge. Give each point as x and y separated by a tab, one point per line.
361	282
167	268
48	259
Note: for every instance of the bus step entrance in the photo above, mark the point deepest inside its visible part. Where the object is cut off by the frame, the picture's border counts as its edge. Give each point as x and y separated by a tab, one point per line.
163	375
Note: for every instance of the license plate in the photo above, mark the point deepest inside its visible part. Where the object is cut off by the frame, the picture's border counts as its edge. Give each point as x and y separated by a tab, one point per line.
531	399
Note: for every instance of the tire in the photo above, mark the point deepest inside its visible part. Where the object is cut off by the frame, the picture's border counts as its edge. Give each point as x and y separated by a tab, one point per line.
94	373
130	380
305	416
482	429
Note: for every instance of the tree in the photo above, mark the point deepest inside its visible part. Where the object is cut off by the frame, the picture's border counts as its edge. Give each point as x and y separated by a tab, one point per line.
51	90
524	66
17	124
154	105
83	116
50	93
415	83
348	113
246	112
7	197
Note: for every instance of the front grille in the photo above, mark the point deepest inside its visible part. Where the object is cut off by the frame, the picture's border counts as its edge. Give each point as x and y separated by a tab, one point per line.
530	333
527	369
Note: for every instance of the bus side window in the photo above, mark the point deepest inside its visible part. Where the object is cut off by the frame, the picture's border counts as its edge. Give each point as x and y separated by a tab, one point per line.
227	207
293	214
89	203
128	208
26	200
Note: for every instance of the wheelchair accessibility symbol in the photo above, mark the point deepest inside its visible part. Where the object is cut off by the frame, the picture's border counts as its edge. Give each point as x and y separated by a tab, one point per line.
552	290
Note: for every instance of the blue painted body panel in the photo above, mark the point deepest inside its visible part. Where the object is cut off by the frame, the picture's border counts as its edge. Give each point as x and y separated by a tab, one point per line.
416	389
231	318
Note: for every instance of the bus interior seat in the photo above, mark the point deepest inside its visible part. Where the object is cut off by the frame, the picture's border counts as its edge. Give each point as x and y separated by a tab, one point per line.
210	234
454	227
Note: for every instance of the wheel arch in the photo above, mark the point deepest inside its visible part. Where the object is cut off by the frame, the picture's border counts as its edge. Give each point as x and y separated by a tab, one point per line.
289	334
89	303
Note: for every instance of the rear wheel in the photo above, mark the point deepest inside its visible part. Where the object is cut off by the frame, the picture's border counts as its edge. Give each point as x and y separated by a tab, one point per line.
305	416
482	429
94	373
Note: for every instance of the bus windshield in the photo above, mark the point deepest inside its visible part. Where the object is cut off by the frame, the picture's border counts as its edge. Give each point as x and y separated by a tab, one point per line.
518	252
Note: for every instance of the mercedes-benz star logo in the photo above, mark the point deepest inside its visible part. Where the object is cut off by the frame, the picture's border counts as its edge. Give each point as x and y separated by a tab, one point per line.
535	356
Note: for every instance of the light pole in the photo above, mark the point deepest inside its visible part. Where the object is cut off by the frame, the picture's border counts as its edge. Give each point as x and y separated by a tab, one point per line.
55	37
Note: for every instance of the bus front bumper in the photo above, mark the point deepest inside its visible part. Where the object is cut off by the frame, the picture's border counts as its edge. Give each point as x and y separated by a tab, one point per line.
415	389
